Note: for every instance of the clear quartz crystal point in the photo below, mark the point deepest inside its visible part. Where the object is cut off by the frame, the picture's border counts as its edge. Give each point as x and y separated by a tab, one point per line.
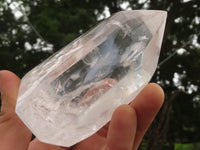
73	94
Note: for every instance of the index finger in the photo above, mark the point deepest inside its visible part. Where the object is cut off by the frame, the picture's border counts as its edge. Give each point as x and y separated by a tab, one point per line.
146	105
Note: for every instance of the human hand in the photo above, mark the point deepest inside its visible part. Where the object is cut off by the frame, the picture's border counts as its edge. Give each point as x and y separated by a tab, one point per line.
124	132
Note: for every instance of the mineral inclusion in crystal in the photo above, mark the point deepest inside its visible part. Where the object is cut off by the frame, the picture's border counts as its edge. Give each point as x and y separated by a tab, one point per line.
71	95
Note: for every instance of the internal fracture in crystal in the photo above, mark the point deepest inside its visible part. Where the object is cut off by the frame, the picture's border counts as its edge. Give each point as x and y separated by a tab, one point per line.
71	95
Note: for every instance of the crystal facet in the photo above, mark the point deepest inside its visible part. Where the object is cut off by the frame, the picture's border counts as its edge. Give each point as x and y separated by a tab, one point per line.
73	94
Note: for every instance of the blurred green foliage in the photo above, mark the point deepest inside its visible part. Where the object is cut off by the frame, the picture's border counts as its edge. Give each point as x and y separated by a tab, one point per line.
194	146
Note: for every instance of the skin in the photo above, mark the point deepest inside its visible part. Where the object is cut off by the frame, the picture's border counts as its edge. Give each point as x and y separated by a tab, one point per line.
121	133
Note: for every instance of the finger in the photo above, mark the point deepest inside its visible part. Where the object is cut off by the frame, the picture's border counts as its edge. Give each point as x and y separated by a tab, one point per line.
9	84
14	134
122	129
146	105
37	145
94	142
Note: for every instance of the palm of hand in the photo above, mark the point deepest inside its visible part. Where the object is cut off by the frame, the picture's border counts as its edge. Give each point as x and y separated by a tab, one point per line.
125	130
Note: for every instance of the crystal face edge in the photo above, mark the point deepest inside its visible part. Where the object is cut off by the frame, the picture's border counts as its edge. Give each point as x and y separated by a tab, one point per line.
86	133
154	46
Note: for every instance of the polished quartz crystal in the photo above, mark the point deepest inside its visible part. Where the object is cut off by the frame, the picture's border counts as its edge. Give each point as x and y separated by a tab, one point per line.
73	94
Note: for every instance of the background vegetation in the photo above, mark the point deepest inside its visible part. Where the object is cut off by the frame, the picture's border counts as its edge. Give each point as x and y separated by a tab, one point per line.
30	31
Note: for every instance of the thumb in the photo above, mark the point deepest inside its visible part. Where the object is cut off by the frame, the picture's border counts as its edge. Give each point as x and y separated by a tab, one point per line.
9	84
14	134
